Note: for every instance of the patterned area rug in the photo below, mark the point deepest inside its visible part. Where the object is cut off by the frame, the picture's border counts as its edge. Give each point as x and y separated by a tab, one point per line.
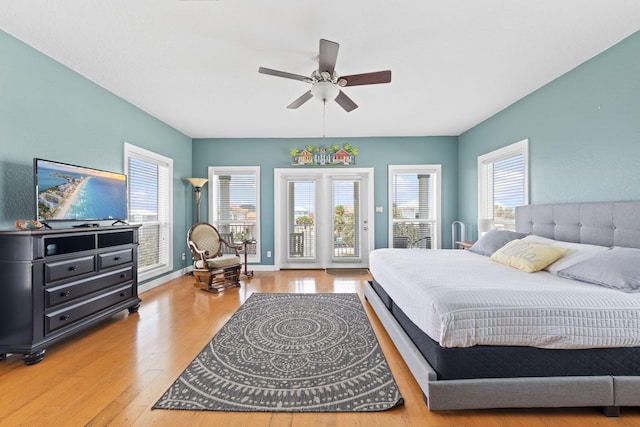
289	353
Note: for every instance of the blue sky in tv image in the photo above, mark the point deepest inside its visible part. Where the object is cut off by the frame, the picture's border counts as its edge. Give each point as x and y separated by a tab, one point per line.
69	192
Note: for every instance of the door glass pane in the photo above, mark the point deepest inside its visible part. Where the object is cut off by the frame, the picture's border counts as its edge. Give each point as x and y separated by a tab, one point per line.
346	219
301	220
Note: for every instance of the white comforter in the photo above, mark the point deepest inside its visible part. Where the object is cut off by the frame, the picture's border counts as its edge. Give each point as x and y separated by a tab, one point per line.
461	299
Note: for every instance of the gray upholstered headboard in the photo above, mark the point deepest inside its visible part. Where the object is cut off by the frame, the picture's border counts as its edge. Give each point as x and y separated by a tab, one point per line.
597	223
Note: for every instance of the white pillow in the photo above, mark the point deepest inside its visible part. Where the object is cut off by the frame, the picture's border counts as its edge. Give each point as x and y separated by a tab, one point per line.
578	252
539	239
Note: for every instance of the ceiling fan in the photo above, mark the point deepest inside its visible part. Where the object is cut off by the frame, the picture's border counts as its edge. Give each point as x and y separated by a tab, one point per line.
326	83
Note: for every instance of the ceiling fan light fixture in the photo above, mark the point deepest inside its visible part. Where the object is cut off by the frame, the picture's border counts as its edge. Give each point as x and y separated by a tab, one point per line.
325	91
325	82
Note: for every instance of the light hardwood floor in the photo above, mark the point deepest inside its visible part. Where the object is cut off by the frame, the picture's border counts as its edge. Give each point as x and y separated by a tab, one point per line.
113	373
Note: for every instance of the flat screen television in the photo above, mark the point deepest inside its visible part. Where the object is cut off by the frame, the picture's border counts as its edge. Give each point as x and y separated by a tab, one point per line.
66	192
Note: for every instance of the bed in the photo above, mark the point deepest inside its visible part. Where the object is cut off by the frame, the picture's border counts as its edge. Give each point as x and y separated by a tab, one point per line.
480	334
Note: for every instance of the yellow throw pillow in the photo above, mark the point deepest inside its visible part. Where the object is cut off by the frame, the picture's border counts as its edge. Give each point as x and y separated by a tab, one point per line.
528	256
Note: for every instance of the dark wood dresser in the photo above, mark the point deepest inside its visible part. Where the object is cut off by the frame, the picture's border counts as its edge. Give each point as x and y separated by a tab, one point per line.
54	283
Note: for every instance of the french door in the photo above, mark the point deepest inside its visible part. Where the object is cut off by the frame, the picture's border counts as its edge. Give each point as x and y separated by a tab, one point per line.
323	218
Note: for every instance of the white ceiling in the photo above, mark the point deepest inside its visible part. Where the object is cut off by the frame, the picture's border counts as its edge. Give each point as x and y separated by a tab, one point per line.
194	63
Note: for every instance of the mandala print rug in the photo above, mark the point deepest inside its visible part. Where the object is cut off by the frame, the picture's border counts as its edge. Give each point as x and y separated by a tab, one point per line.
289	353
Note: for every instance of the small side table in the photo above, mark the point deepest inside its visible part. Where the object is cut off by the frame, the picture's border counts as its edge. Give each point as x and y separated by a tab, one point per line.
464	245
245	245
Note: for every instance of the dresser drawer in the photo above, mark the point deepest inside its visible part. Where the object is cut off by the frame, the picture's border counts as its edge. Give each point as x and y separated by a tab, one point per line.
67	316
112	259
58	294
68	268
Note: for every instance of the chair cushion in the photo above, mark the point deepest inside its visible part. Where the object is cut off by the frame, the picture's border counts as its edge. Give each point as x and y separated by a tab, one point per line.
219	262
206	238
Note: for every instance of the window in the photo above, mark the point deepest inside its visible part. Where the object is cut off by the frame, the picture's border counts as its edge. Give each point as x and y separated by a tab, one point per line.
235	205
414	206
503	177
150	191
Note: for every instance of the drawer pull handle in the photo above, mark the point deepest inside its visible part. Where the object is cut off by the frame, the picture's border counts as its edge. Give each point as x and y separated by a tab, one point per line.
73	268
65	293
65	317
122	276
122	294
116	258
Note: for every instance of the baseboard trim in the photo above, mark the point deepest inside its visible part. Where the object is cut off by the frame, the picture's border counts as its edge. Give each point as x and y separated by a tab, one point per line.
158	281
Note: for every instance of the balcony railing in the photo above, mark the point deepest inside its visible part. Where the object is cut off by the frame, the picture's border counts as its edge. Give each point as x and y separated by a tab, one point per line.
302	244
407	234
238	233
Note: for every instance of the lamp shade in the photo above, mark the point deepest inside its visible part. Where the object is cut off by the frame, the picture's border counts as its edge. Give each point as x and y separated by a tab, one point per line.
325	91
484	225
197	182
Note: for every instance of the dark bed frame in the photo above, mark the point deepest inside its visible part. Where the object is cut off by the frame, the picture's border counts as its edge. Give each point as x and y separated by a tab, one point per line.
487	377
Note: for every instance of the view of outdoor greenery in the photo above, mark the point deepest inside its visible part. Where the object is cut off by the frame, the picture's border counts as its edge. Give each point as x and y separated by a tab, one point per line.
343	227
503	212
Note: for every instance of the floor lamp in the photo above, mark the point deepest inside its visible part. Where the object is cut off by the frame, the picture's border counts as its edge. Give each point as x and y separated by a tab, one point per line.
197	183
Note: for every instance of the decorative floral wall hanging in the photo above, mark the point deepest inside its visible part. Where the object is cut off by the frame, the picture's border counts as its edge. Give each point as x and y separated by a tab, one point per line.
320	155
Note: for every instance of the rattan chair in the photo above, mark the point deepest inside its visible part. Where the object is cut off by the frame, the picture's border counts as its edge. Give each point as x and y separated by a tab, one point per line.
213	269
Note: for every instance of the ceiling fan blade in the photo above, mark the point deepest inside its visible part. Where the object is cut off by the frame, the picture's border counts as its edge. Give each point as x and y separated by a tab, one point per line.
298	102
328	56
368	78
345	102
284	74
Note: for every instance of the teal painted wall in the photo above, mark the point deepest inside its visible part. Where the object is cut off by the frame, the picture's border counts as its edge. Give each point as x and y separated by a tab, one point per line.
583	130
49	111
374	152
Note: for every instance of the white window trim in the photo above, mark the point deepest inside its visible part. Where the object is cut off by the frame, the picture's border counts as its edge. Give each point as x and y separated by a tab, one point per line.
131	150
212	212
421	169
520	147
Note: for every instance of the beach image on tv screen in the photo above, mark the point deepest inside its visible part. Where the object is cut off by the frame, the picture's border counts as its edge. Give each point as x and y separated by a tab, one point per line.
67	192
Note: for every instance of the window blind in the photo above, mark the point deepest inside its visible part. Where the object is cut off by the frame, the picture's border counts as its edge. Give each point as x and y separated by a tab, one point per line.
413	207
508	188
150	191
236	205
502	185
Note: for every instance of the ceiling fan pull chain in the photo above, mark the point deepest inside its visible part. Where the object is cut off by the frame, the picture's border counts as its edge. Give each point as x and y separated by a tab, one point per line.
324	113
